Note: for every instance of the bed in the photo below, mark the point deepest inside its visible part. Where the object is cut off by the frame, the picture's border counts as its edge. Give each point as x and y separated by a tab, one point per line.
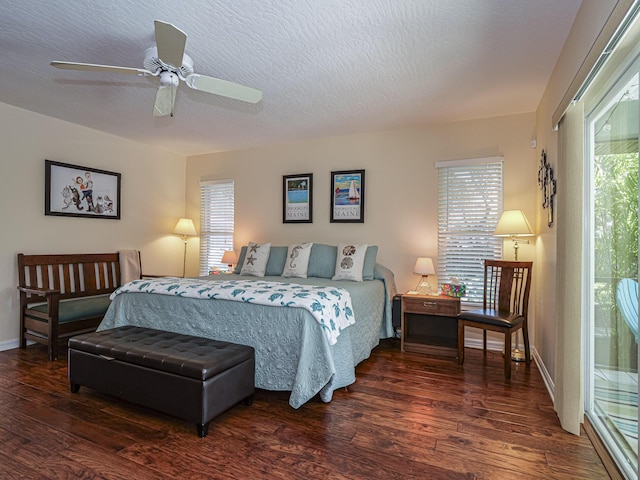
293	351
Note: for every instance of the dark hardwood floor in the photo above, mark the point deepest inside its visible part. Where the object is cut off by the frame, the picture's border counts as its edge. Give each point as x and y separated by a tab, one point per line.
407	416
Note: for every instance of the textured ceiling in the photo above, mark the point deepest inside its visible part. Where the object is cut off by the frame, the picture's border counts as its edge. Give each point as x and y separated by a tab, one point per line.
326	67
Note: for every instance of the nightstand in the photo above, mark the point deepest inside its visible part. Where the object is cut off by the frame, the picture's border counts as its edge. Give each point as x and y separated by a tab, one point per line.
430	324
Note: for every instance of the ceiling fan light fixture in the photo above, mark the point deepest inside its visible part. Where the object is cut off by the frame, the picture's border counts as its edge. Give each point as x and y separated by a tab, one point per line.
169	79
165	99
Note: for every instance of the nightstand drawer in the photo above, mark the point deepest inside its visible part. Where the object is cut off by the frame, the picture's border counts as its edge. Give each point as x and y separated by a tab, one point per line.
435	306
430	324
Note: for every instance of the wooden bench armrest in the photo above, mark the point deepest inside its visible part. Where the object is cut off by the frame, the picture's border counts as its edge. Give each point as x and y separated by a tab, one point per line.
43	292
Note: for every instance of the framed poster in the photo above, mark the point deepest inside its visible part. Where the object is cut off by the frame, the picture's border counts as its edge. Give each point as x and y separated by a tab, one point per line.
75	191
347	196
297	198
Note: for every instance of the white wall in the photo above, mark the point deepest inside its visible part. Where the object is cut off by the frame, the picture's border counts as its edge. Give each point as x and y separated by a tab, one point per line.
400	185
153	193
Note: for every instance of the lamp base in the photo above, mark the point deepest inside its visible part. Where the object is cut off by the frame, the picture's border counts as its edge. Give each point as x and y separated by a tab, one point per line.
517	355
423	287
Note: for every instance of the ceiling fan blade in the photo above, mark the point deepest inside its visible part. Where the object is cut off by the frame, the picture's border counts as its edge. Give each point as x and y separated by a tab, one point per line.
99	68
223	88
170	42
165	98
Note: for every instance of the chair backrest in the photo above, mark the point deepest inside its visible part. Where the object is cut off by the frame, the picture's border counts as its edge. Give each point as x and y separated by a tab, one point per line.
627	301
507	285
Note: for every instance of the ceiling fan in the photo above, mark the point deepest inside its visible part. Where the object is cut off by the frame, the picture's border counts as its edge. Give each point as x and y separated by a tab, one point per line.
168	61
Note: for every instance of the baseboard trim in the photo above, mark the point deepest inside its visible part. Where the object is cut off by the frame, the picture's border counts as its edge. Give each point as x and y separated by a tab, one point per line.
548	381
493	345
9	344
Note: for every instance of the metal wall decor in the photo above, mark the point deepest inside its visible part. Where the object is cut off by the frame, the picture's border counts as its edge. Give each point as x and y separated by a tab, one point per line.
548	186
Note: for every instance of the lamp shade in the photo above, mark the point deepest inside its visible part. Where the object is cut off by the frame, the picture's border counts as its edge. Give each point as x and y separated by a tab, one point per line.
185	227
424	266
513	223
229	257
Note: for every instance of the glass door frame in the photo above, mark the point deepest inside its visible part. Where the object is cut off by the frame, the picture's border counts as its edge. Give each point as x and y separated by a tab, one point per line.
615	88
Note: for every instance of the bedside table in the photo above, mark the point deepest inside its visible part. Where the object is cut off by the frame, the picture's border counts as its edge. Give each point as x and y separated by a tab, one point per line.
430	324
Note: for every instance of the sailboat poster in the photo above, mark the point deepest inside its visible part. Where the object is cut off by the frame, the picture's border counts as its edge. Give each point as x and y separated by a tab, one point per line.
347	196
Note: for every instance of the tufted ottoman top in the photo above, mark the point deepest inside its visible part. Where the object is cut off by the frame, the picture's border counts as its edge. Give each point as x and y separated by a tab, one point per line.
184	355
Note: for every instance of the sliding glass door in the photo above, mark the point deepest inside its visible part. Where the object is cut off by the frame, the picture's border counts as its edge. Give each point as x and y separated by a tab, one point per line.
611	397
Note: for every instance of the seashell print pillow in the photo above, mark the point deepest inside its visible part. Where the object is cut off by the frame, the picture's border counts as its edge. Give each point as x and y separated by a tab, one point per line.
350	262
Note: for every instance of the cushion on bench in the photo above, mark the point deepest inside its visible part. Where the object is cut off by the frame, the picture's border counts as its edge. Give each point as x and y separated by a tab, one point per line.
78	308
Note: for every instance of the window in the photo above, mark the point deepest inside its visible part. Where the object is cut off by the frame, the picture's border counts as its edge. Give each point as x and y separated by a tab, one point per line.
469	207
216	223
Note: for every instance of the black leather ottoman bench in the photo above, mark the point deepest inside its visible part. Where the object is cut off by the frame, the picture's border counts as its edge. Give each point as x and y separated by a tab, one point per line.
191	378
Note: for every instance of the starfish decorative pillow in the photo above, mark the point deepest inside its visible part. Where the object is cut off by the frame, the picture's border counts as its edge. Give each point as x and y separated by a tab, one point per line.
255	261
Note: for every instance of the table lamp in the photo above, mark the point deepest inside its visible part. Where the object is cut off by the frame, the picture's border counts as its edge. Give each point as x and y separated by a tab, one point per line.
424	267
230	258
514	223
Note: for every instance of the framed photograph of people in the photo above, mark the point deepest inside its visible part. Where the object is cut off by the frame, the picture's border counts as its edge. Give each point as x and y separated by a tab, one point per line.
297	198
75	191
347	196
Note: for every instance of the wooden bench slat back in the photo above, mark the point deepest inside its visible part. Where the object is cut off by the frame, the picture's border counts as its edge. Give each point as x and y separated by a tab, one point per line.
75	275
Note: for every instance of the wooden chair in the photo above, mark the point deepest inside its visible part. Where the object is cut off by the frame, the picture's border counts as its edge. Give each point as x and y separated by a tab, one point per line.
504	309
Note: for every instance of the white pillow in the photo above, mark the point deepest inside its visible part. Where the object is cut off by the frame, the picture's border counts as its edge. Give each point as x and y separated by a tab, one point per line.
255	261
297	262
350	262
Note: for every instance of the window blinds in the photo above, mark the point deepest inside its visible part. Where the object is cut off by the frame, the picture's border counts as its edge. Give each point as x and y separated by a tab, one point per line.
469	208
216	223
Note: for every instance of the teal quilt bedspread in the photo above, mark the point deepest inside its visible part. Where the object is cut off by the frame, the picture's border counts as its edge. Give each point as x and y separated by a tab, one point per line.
292	352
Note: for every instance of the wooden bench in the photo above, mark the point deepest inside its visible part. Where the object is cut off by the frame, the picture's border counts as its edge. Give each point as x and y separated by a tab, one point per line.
64	295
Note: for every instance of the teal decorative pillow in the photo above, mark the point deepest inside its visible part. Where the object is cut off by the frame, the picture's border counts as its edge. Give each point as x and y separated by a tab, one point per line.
255	260
275	264
349	262
369	262
322	262
297	262
243	253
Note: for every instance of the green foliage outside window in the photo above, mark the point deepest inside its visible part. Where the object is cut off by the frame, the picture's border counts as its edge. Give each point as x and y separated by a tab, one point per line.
615	246
616	215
